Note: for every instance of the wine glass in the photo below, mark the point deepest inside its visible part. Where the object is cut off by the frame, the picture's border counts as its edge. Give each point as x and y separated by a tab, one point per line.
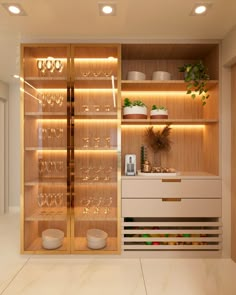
41	66
85	204
107	142
96	203
85	108
58	65
59	132
107	202
97	107
86	142
41	202
97	141
42	166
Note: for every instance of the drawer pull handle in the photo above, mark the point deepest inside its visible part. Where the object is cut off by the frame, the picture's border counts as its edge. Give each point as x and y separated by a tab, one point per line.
171	180
171	199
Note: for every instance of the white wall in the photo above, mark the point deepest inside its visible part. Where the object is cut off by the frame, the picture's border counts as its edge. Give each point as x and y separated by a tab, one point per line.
228	59
3	147
14	145
229	48
3	90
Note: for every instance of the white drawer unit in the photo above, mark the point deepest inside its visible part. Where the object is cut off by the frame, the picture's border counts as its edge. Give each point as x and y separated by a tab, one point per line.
175	215
171	188
168	207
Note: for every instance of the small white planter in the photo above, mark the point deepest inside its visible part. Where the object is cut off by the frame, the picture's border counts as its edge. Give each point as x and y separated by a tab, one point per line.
135	112
159	114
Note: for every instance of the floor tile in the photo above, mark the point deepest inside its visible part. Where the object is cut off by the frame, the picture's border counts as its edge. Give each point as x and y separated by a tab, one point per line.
79	276
189	276
10	259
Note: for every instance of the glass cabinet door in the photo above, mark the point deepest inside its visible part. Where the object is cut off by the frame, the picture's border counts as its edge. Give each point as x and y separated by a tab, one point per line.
46	222
96	144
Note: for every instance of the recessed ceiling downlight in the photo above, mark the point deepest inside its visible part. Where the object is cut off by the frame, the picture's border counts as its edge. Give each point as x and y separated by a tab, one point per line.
14	9
107	9
200	9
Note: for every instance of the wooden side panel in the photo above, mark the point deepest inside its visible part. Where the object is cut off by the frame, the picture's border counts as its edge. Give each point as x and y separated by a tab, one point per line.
233	165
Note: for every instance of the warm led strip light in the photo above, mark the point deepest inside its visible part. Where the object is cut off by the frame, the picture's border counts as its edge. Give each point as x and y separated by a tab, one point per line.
51	121
101	59
51	90
92	121
62	151
86	151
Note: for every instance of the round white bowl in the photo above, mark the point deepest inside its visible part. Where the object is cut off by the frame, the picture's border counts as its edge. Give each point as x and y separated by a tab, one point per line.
52	238
161	75
134	75
96	238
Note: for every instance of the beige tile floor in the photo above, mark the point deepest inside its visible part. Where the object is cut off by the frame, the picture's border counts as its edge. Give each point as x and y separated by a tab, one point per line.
59	275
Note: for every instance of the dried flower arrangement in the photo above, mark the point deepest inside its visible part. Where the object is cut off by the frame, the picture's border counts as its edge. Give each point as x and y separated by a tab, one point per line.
158	140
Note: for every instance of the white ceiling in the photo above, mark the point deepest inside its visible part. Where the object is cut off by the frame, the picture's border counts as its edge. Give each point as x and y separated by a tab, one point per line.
79	21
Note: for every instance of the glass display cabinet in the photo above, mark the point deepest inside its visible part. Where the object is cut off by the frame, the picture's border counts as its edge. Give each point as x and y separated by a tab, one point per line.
71	147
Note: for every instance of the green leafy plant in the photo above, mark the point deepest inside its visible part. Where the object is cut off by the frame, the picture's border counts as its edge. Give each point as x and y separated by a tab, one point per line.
196	77
154	107
129	103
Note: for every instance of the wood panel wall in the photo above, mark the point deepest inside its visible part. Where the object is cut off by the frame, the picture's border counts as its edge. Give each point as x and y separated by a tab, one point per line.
233	164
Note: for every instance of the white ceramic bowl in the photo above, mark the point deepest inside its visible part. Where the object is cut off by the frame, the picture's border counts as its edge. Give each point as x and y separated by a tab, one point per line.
96	238
52	238
134	75
160	75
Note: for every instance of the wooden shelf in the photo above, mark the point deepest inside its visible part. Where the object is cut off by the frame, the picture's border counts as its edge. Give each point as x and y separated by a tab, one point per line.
150	85
167	121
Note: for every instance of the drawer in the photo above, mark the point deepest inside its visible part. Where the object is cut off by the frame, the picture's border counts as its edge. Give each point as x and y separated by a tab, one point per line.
168	207
173	188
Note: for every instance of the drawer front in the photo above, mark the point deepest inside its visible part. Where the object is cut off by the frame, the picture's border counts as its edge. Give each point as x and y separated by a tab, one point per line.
167	207
172	188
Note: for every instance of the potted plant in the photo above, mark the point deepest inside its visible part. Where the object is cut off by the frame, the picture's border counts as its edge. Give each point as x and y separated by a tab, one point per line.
196	77
134	109
159	112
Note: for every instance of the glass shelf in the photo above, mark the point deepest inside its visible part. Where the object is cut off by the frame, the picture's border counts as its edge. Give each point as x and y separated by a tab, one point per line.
48	214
